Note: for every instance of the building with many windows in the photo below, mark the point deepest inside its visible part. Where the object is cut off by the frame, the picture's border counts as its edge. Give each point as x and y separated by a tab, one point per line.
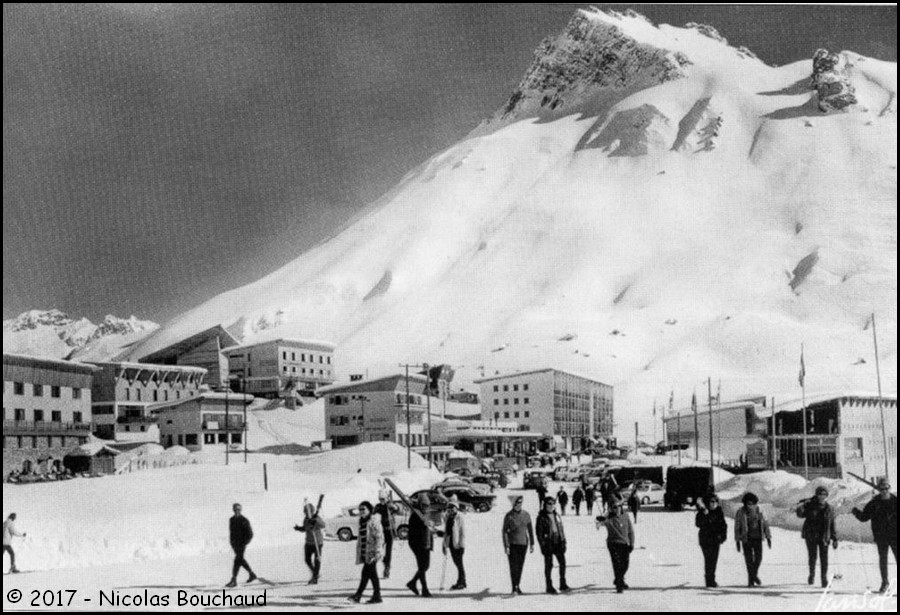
124	393
281	368
46	411
204	420
564	406
203	349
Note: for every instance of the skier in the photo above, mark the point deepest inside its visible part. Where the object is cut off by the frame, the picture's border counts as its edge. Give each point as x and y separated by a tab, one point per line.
563	498
619	539
9	531
713	533
634	501
882	512
518	539
312	550
750	527
551	536
385	510
455	540
421	542
818	531
240	535
577	498
589	496
368	551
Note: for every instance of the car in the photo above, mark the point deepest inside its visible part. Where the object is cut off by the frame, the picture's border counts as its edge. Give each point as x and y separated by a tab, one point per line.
465	483
480	501
494	479
345	526
533	475
565	474
648	493
438	506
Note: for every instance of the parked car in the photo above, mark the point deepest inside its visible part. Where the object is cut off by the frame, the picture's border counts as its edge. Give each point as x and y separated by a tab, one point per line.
686	485
464	483
567	474
494	479
533	475
438	506
346	525
480	501
648	493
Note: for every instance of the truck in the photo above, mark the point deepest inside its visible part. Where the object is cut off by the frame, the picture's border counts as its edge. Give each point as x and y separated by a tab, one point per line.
686	485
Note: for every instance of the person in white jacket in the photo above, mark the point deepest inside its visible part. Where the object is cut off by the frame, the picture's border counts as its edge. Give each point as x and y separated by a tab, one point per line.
455	540
9	530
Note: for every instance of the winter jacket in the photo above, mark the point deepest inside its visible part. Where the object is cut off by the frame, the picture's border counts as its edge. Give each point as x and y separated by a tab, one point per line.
549	540
420	537
883	515
455	532
386	512
619	529
742	529
589	495
819	524
240	531
713	529
370	543
313	527
563	498
578	496
9	530
517	529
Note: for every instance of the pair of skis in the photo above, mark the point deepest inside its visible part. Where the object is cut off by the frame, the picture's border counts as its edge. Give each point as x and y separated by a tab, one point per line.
316	514
414	510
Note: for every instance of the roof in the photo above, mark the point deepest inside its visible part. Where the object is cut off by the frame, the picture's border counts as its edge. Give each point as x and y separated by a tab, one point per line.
300	343
21	360
151	366
235	398
178	348
384	383
539	371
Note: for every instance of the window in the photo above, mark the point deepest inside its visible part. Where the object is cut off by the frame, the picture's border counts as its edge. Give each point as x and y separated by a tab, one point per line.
127	394
328	360
321	372
303	370
19	388
496	402
505	402
516	415
235	438
56	416
505	387
284	355
496	415
496	388
37	390
321	359
177	394
294	369
191	439
209	438
138	391
516	401
303	357
506	415
38	416
180	440
166	395
524	387
76	417
525	401
284	369
515	387
527	414
54	391
155	395
33	441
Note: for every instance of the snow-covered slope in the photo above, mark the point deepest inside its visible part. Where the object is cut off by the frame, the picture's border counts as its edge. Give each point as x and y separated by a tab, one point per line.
54	334
668	205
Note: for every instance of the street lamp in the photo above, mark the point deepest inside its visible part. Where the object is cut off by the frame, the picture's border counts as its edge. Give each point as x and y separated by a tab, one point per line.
362	418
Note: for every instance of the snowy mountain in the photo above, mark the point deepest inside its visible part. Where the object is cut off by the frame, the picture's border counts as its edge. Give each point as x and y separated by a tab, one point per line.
54	334
651	206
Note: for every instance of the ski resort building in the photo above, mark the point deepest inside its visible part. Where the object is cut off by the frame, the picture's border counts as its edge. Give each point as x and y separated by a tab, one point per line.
124	393
46	411
281	368
204	420
203	350
568	408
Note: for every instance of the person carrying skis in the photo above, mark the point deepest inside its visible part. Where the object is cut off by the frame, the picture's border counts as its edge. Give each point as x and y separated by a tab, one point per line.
818	531
589	496
551	537
750	527
563	498
712	534
882	512
9	531
421	542
369	545
518	540
312	550
386	510
240	535
455	540
577	498
619	539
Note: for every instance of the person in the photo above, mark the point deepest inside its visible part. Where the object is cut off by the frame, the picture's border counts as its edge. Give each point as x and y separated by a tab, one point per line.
750	527
882	512
577	498
563	498
551	537
634	500
240	535
10	531
455	540
385	510
589	496
421	542
312	550
518	539
713	531
369	546
818	531
608	486
619	539
541	490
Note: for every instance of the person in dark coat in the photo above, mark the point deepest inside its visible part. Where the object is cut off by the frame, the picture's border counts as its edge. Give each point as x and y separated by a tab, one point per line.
240	535
541	490
634	501
518	540
818	531
577	498
712	534
589	496
619	540
386	510
315	540
563	498
551	537
882	512
750	527
421	541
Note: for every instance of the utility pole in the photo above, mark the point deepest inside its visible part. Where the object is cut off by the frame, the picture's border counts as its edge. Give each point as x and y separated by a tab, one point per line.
774	441
635	436
428	407
678	437
712	457
803	398
884	440
408	424
654	422
696	427
226	425
244	402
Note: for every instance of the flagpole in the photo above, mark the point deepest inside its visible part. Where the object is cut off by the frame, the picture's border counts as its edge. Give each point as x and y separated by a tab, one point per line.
887	463
774	441
696	427
654	422
803	398
719	424
678	439
712	459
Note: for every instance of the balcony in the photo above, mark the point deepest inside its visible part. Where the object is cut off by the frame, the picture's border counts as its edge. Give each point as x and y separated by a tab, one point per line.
44	427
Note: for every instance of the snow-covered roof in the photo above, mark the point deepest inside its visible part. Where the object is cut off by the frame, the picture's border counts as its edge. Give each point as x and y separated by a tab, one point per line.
184	345
538	371
287	341
21	360
383	383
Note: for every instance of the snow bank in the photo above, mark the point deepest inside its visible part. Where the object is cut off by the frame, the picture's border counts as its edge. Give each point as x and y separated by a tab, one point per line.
372	457
281	426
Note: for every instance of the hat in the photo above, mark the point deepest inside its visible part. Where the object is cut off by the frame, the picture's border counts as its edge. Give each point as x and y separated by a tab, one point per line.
453	501
821	490
515	499
549	500
883	483
750	498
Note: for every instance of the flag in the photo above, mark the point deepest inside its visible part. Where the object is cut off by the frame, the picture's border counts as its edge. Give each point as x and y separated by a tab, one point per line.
719	392
869	322
802	376
694	402
672	401
654	408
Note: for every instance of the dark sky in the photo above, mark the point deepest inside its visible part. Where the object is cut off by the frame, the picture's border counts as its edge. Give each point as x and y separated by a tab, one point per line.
156	155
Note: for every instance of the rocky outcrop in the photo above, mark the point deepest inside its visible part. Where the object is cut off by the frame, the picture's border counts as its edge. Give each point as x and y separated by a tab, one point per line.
831	82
